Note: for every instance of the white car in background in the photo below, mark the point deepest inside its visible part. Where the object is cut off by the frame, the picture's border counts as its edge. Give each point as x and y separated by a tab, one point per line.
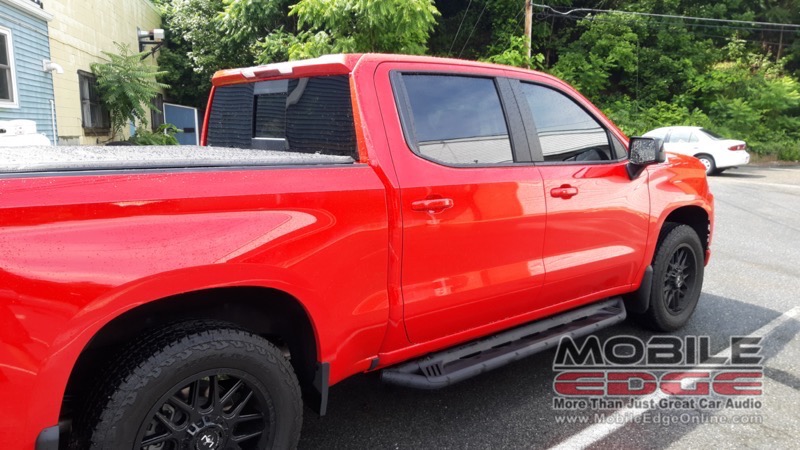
714	151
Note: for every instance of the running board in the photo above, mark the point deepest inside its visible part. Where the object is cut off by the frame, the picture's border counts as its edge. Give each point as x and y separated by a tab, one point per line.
450	366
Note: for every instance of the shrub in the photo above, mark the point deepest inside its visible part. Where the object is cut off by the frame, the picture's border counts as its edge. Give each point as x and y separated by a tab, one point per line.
127	86
789	152
164	135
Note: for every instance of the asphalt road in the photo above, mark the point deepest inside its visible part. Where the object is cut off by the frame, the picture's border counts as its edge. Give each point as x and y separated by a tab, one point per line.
753	281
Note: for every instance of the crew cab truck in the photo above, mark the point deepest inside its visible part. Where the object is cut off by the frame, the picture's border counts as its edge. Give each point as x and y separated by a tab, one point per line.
427	218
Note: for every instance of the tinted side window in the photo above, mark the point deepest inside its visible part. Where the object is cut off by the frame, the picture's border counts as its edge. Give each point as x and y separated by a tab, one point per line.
306	115
566	132
457	119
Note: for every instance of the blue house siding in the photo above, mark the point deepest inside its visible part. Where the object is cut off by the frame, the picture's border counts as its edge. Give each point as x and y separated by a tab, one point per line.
34	86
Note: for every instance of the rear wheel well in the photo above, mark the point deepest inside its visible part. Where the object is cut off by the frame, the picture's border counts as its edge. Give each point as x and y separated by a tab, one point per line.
270	313
694	216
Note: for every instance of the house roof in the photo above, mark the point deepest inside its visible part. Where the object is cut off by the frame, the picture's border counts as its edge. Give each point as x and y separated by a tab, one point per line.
33	8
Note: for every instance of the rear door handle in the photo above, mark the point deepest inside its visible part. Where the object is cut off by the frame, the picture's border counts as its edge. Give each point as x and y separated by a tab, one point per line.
565	191
432	205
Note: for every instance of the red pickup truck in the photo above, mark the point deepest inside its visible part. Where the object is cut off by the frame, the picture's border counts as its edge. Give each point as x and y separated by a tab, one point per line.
427	218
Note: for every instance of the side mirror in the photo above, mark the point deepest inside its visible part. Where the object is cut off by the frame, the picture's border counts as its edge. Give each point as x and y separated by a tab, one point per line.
645	151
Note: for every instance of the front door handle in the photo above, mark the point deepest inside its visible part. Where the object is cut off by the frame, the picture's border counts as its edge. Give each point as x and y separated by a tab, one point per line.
432	205
564	191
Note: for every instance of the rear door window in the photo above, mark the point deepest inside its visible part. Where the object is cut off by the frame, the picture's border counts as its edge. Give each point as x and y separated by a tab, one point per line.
455	120
679	135
304	115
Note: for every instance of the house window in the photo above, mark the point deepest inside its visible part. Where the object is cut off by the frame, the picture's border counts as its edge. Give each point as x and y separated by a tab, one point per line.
157	113
95	115
8	81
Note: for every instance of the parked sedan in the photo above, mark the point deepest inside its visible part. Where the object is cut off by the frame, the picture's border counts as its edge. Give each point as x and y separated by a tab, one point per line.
714	151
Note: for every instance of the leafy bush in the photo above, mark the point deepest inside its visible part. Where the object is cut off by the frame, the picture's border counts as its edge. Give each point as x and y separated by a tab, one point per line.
789	151
676	79
636	119
164	135
516	54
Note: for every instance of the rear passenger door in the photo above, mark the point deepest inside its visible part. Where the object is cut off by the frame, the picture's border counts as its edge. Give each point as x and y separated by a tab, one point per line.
472	217
597	217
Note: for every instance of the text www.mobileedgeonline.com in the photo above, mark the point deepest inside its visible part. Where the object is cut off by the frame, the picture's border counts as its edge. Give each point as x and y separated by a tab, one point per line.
660	418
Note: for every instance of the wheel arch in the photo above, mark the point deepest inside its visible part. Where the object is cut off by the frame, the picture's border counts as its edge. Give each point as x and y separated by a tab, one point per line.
708	156
694	216
699	154
271	313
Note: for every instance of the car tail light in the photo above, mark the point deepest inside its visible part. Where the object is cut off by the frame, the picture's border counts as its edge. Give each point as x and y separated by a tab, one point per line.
738	147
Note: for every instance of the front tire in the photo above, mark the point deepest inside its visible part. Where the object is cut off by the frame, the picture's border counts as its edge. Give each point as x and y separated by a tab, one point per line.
196	386
678	269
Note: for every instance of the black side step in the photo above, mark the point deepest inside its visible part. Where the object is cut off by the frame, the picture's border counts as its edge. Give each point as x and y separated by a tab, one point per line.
450	366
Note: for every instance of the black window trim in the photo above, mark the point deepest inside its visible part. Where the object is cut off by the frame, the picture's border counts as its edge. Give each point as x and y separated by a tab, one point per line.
89	130
530	127
508	104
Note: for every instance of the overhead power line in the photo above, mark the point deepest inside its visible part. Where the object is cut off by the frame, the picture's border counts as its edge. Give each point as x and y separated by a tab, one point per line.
761	25
698	33
473	29
459	27
664	23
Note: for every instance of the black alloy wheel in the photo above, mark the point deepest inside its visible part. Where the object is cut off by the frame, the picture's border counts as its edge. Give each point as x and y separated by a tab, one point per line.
679	279
215	410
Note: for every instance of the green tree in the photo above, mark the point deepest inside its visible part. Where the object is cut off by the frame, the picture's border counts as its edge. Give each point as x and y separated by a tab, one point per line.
188	86
350	26
204	36
127	86
197	27
246	21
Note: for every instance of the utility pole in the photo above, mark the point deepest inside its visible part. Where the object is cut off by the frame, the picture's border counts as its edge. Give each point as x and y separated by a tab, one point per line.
528	28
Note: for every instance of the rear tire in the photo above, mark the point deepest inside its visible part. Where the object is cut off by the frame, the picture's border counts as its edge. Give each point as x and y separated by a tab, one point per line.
678	268
708	161
195	385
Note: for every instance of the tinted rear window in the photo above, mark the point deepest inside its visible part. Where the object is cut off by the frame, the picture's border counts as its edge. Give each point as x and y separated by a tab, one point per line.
457	119
713	135
305	115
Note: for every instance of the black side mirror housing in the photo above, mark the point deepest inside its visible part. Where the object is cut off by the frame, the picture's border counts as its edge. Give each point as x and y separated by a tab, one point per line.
643	152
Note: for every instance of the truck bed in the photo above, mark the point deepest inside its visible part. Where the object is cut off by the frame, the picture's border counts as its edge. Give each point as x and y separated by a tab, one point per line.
126	157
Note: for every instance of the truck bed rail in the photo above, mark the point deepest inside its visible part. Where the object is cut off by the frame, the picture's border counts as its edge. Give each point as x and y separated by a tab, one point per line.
125	157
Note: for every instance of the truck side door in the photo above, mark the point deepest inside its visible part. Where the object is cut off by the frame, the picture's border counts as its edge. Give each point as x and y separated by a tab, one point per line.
473	221
597	217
